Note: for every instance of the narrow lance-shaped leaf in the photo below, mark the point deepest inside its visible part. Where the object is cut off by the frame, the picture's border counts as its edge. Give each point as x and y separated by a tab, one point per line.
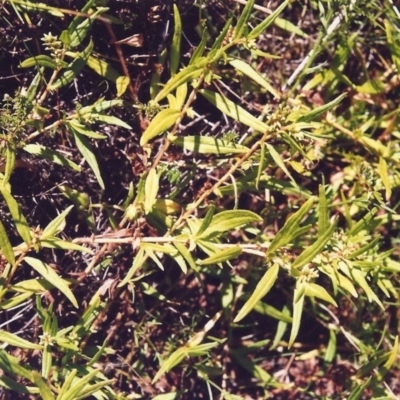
206	221
227	220
393	354
285	235
244	18
208	145
312	251
14	340
298	303
138	262
234	111
279	162
187	74
260	28
262	288
323	212
359	277
151	189
173	360
320	110
314	290
50	275
383	171
222	256
16	213
159	124
5	245
57	225
87	152
70	73
176	41
246	69
51	155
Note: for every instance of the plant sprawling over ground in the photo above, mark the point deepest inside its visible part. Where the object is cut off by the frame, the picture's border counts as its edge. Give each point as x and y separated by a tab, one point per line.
199	199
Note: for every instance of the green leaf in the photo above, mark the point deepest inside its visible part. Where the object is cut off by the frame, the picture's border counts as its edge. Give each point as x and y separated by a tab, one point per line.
393	354
85	149
56	226
323	211
14	340
262	288
159	124
186	255
111	120
207	145
138	262
84	130
312	251
175	53
290	27
199	50
359	389
298	302
383	172
222	256
172	361
314	290
51	155
279	162
77	33
227	220
322	109
358	276
206	221
103	68
260	28
122	83
69	74
187	74
16	213
78	386
234	111
247	70
56	243
243	20
151	190
42	61
38	286
50	275
5	245
285	235
45	392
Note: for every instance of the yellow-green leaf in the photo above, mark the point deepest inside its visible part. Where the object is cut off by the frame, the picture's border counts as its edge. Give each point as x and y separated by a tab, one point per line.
279	162
298	302
312	251
173	360
262	288
50	275
187	74
122	83
208	145
285	235
175	52
314	290
20	222
234	111
159	124
383	171
222	256
5	245
14	340
51	155
151	190
246	69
